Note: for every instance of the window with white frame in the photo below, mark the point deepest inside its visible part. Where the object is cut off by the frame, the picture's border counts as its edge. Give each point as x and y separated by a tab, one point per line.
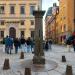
22	33
1	22
22	22
32	22
1	34
22	9
12	9
32	8
2	10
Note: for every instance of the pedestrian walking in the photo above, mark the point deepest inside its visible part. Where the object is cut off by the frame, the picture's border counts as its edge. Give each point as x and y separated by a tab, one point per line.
47	45
10	41
32	44
50	44
68	42
73	40
16	45
28	44
22	41
6	44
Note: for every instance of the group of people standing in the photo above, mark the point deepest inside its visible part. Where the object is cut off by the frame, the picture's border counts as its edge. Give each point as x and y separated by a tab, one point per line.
24	45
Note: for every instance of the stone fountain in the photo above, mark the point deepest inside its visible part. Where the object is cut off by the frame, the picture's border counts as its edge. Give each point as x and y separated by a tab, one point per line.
37	62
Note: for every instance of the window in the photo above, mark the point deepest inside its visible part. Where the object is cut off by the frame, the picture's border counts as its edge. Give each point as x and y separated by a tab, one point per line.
32	22
22	10
2	22
32	8
74	20
2	34
64	17
22	33
22	22
12	10
1	9
64	27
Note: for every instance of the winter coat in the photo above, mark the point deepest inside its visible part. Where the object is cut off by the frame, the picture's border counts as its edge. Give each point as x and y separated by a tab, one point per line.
28	42
69	40
46	46
22	41
16	42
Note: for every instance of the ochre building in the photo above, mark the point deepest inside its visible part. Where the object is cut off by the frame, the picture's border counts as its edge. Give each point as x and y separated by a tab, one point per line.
16	17
66	20
64	23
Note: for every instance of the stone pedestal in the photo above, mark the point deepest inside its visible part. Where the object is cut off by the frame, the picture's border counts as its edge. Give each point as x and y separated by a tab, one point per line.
27	71
38	57
6	65
22	55
38	60
69	70
63	59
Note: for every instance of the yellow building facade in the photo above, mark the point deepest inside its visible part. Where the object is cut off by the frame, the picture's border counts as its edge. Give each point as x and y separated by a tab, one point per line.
16	17
64	23
62	26
66	19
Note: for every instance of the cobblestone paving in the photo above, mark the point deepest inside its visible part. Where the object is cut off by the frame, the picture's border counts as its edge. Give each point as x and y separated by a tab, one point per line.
54	55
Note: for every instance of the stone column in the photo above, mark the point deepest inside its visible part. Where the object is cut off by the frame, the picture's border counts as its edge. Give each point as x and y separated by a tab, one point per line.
38	50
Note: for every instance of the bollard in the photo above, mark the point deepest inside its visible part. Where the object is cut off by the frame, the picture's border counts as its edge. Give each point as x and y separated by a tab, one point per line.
63	59
22	55
69	70
27	71
6	65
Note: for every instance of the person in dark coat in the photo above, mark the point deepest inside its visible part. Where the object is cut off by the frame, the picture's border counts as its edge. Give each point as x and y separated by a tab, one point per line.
16	45
50	44
47	45
6	44
22	41
28	44
73	40
69	40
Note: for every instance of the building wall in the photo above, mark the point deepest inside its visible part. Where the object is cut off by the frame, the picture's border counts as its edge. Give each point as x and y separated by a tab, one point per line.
52	25
14	20
62	21
70	15
66	24
47	27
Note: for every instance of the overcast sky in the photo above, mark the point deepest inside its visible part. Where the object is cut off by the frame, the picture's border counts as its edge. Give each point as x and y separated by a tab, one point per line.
48	3
45	5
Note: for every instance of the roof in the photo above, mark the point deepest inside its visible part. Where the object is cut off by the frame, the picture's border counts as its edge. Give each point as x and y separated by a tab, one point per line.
49	12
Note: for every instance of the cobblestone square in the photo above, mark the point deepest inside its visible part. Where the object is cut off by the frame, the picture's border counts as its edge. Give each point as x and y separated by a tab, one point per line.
54	55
